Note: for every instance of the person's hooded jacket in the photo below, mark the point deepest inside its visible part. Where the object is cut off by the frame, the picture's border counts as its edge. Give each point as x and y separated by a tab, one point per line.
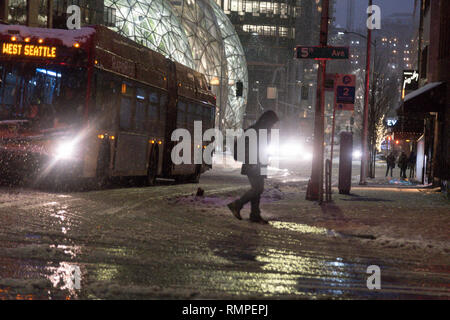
266	121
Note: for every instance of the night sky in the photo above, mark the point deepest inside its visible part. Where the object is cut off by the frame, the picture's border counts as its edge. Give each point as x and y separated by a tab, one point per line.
388	7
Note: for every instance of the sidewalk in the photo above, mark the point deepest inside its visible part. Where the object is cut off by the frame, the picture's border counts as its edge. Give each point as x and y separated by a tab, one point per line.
389	212
384	213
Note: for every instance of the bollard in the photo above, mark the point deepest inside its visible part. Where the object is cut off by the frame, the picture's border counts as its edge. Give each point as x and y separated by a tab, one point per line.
345	162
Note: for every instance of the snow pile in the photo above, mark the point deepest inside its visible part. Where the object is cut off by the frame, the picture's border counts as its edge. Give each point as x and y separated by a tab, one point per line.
35	251
225	160
413	244
269	195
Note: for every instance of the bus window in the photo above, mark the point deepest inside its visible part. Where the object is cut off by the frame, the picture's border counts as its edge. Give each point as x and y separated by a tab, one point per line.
50	96
102	112
153	107
191	108
199	109
163	106
140	109
181	114
125	113
154	97
191	117
153	113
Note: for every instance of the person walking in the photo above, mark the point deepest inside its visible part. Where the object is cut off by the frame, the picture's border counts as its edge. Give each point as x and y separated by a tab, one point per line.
412	164
390	163
403	165
253	171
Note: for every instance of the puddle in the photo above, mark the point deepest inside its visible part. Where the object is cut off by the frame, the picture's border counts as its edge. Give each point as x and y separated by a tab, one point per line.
297	227
307	229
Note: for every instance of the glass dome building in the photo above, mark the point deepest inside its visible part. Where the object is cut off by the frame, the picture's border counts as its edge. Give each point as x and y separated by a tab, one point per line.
196	33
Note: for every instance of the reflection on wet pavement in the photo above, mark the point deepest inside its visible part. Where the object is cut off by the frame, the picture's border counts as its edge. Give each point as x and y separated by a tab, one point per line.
121	244
297	227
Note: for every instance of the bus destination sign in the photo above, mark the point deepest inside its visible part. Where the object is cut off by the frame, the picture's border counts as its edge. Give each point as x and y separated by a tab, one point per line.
28	50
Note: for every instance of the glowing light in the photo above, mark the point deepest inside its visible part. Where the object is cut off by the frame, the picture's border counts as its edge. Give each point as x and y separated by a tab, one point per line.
215	81
307	156
76	45
65	150
29	50
13	38
356	154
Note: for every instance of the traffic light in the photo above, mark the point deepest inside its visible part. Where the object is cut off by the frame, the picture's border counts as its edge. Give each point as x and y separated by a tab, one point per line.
239	88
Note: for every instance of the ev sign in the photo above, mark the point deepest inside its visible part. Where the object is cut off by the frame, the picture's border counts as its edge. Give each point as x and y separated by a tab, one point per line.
344	92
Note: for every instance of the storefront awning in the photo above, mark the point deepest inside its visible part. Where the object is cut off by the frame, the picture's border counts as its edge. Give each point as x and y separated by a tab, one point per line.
429	98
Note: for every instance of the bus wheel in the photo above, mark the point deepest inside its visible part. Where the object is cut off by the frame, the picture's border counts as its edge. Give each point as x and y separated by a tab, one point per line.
152	167
102	177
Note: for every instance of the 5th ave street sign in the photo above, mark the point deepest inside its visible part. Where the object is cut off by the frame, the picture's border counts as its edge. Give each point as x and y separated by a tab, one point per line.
321	53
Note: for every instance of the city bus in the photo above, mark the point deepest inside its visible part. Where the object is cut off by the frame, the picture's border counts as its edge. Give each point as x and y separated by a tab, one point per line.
90	103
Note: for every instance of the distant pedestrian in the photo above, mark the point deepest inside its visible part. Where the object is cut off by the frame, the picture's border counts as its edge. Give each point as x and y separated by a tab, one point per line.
412	164
253	171
390	163
403	164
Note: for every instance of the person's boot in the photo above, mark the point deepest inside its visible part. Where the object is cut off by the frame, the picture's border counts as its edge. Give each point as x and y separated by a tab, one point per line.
235	209
256	217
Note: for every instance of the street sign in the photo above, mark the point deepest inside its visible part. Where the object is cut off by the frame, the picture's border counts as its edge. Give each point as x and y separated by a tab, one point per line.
321	53
344	92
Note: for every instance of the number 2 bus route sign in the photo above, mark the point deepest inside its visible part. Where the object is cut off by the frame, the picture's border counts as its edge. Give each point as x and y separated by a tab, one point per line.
344	92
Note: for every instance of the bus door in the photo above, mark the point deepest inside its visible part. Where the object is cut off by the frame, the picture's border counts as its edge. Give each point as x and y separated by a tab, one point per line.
132	140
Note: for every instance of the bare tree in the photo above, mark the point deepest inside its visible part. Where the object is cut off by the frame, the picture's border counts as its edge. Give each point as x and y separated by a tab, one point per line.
384	94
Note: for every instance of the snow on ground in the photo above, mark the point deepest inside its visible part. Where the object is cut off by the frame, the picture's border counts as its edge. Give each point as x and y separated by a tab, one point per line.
165	242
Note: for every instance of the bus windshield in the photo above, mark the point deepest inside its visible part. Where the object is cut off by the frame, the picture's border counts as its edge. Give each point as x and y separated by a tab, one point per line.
48	96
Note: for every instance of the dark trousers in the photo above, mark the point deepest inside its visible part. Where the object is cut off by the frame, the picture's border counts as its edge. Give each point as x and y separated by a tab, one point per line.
387	170
403	172
253	195
412	171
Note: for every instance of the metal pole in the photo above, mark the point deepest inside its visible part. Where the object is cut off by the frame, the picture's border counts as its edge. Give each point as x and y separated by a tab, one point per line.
315	186
332	136
372	106
364	135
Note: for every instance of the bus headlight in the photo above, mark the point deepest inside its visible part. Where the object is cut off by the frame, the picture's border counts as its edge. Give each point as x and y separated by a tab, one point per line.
307	156
291	149
357	154
65	150
272	150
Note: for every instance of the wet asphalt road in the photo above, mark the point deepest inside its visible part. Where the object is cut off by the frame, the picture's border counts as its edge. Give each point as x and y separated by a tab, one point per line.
143	242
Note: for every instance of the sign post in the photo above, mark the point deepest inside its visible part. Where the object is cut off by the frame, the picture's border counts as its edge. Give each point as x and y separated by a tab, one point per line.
321	53
344	99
